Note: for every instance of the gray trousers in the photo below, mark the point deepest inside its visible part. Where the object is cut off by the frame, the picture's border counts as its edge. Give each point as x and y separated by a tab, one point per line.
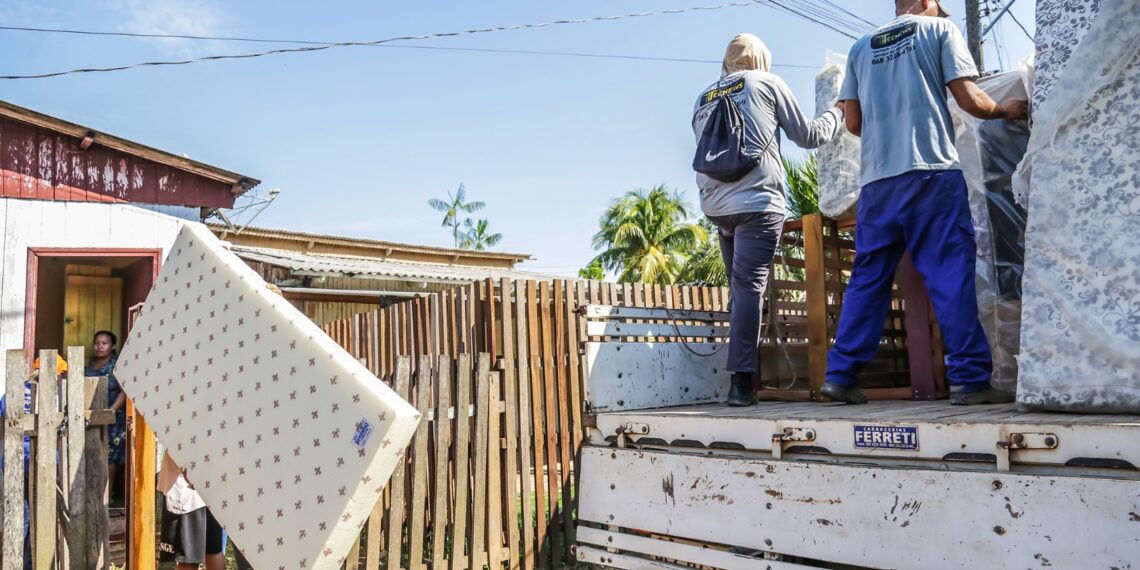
747	244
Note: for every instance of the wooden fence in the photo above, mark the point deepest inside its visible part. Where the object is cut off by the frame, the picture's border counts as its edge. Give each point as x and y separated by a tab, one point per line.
66	481
509	352
499	478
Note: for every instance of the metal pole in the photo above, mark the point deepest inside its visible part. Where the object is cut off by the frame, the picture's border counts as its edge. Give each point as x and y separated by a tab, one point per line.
997	17
974	33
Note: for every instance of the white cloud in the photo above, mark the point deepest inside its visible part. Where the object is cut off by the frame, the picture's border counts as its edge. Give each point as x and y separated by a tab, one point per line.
182	17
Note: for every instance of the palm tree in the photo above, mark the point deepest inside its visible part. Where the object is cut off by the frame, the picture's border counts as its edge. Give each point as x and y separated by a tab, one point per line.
453	208
478	236
646	236
803	186
706	266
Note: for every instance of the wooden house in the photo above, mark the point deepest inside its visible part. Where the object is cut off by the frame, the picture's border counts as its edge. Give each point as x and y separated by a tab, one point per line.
87	218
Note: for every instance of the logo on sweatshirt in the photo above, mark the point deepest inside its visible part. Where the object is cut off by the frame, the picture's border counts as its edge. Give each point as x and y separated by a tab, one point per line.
717	91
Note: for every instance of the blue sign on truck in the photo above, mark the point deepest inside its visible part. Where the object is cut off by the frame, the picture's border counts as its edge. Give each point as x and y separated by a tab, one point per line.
887	437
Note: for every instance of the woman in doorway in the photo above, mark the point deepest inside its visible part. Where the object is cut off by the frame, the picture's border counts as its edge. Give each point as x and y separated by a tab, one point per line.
102	363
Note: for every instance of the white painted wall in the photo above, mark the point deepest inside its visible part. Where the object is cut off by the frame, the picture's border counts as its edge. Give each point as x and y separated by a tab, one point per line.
38	223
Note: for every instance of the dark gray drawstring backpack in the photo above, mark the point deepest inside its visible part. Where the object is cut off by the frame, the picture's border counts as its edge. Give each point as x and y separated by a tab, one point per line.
721	148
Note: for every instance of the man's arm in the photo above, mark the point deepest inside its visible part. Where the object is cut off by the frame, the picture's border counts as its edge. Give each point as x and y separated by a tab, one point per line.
978	104
854	117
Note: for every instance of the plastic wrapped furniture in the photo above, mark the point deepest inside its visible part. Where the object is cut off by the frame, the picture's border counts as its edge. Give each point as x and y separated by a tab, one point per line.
990	151
1080	335
839	159
286	436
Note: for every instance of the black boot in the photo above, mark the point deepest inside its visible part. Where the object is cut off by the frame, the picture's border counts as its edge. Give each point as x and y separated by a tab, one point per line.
987	395
841	393
741	394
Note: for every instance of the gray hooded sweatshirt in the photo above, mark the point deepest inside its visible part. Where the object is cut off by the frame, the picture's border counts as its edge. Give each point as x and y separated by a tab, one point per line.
768	106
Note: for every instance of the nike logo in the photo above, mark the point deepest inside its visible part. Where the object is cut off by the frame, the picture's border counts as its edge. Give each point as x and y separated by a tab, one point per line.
709	157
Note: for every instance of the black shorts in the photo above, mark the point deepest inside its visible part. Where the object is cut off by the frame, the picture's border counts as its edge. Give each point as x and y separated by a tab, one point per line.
199	535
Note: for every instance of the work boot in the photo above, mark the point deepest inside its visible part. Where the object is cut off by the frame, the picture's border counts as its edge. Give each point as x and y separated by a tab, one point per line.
840	393
741	394
987	395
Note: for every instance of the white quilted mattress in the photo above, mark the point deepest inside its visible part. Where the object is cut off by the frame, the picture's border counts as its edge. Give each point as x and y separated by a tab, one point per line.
287	437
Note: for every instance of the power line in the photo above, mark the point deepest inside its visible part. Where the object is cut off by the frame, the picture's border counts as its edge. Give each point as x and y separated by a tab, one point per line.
400	46
853	15
321	47
1022	26
779	4
829	14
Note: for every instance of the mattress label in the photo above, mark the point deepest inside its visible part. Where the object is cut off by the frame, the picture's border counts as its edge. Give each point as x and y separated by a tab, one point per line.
887	437
363	431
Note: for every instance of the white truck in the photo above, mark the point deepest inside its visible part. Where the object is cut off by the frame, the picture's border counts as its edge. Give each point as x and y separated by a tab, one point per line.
671	477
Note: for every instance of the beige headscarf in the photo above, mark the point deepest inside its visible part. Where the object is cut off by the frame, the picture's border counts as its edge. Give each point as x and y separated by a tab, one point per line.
746	53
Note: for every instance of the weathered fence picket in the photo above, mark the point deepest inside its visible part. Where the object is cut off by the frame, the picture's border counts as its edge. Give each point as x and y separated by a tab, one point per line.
66	482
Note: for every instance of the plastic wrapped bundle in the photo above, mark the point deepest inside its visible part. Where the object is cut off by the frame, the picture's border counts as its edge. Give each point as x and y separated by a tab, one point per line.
1081	305
839	159
990	152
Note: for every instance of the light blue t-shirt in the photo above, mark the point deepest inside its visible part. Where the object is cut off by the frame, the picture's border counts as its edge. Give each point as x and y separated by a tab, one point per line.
898	73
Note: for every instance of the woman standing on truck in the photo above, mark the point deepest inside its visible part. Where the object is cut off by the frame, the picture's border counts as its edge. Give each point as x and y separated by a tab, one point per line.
737	122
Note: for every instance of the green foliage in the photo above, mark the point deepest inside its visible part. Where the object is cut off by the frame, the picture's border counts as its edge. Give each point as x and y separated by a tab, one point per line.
803	186
478	236
453	209
593	271
705	265
646	236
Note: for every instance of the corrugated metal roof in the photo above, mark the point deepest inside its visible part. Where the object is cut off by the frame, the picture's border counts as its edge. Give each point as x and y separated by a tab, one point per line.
345	266
225	232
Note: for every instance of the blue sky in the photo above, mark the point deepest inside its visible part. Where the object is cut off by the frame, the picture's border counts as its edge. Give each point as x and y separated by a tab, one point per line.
358	139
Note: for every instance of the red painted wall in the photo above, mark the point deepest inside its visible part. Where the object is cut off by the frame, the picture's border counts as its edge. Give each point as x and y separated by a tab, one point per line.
40	164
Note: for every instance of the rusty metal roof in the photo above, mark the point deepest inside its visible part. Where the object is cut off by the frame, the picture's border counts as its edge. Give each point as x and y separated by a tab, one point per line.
324	265
240	182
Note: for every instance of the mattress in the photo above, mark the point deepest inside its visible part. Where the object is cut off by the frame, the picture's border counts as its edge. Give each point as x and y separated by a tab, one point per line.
1061	25
287	437
839	160
1080	334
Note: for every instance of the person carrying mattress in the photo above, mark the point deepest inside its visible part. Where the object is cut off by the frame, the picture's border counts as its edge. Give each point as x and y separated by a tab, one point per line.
737	122
913	195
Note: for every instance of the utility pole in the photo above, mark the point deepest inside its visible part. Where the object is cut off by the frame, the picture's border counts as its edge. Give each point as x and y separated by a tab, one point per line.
974	33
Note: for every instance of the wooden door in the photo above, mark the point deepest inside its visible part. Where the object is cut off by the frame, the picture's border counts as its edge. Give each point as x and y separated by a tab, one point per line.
91	303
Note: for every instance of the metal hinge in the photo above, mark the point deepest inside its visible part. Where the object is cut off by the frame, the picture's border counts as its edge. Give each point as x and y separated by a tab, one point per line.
790	434
1023	441
630	428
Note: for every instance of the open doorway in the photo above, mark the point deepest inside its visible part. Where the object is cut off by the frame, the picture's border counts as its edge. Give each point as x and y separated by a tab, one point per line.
73	293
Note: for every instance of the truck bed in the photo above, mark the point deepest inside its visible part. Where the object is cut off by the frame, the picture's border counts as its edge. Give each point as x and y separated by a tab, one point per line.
961	436
784	486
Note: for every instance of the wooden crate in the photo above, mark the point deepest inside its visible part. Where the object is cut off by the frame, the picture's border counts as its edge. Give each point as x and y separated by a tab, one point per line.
802	308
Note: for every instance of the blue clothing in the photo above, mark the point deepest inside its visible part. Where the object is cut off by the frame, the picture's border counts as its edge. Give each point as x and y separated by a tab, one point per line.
927	214
899	73
747	244
117	432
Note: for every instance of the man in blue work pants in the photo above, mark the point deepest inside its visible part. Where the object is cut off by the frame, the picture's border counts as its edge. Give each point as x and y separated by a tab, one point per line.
913	196
927	214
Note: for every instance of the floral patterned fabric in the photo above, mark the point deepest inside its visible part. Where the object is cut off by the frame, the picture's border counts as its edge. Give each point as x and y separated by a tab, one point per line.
1080	339
288	438
1061	24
